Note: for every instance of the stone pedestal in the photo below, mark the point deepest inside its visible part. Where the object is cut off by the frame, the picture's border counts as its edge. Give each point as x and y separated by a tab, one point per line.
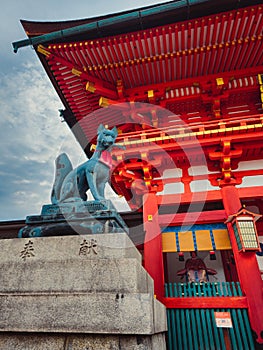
77	293
74	217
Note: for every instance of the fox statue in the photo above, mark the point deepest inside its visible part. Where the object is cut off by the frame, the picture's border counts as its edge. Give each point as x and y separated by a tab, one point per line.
93	174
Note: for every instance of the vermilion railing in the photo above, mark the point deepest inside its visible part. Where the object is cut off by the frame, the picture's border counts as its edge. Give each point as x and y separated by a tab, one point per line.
191	318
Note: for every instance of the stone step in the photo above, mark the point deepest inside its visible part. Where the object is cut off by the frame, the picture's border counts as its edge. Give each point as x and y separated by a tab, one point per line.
97	313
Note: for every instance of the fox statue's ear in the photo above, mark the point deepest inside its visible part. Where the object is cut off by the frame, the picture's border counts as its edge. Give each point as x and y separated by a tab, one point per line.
115	130
100	128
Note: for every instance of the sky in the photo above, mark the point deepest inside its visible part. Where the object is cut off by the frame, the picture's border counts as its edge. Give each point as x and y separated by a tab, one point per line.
32	134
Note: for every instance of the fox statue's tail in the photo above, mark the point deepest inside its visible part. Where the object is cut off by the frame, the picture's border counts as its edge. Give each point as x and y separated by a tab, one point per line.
63	167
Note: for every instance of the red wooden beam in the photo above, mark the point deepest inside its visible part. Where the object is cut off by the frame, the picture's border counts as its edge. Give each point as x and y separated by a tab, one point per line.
186	198
219	53
256	58
72	53
164	32
231	56
206	303
128	47
230	26
251	192
94	53
148	54
209	196
190	218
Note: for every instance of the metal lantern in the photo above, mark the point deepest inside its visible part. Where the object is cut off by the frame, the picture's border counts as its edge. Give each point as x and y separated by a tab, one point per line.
245	230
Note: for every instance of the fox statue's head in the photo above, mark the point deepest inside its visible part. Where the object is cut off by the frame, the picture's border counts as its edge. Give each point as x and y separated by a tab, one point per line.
106	137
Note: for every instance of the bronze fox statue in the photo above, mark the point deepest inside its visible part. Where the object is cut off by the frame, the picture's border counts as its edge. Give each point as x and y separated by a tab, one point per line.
72	183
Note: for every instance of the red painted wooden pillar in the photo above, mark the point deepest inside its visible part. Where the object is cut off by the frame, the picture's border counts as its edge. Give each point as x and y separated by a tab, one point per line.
247	266
153	256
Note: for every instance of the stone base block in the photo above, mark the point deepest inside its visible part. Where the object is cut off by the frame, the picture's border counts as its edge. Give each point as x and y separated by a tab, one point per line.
80	342
76	275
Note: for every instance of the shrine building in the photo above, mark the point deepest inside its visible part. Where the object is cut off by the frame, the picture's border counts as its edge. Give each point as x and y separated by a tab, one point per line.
183	83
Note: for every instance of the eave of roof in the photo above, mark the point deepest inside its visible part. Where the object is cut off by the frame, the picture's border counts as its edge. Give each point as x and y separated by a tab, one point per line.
119	23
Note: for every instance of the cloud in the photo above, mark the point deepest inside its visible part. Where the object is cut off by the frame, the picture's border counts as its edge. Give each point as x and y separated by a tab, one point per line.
31	138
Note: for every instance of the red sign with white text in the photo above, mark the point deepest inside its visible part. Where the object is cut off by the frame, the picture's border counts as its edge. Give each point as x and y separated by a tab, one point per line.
223	319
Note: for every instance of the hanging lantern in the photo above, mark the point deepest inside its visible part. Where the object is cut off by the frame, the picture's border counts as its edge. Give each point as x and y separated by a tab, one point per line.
181	256
212	255
245	230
